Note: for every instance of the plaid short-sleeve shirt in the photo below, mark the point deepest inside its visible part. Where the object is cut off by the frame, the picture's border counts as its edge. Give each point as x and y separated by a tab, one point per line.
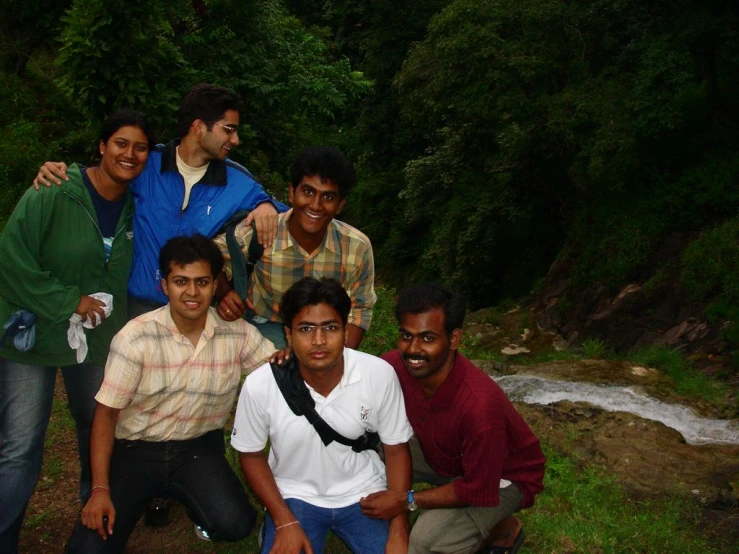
168	389
345	255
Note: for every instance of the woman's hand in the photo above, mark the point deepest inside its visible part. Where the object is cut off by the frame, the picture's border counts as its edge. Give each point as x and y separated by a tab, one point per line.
90	306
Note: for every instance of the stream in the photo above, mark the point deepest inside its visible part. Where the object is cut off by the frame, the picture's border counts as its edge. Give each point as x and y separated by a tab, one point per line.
695	429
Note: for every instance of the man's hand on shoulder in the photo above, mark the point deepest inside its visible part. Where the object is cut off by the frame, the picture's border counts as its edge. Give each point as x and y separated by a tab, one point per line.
264	217
291	539
98	507
383	504
50	172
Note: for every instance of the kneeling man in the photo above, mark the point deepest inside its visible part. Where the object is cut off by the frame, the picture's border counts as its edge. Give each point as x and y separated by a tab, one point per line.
170	383
311	486
475	448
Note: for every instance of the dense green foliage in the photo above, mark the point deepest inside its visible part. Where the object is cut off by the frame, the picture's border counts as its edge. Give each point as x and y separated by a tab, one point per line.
490	136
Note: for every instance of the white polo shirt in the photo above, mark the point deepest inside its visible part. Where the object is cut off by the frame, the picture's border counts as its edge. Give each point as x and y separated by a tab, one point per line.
368	397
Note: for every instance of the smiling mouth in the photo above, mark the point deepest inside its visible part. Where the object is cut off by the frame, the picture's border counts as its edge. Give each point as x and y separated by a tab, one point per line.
127	165
312	216
192	304
414	361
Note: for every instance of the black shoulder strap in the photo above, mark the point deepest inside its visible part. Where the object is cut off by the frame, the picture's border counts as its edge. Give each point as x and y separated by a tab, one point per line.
301	403
242	267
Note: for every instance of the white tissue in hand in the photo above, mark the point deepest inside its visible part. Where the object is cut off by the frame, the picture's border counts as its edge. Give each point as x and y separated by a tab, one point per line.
76	337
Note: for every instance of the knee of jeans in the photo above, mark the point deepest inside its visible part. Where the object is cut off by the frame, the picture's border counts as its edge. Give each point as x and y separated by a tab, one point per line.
233	526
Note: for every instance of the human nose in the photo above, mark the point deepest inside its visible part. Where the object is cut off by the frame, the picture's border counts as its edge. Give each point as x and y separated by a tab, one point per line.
319	336
235	137
192	288
414	346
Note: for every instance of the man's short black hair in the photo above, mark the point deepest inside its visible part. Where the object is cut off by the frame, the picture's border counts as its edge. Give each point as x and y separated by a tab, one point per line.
329	164
309	291
186	250
208	103
424	297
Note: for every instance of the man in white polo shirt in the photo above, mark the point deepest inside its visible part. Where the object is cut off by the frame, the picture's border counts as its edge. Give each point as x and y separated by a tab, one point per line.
308	485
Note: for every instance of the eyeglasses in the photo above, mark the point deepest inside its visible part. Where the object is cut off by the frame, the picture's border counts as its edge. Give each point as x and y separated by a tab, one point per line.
230	129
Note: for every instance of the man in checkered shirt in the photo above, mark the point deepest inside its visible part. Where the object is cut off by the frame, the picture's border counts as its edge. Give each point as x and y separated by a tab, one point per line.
310	242
170	383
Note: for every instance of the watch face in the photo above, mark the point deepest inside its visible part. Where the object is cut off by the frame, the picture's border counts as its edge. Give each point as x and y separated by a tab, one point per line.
412	506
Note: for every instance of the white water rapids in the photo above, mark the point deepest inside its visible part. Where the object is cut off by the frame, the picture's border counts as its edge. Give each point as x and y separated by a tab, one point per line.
696	430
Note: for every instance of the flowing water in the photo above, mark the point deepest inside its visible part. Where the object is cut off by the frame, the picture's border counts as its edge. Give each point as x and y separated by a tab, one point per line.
696	430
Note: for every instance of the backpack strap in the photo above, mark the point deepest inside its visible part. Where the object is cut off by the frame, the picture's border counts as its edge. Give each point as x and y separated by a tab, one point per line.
241	266
298	398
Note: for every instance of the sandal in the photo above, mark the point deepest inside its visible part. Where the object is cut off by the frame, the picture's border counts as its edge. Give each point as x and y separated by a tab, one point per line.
505	538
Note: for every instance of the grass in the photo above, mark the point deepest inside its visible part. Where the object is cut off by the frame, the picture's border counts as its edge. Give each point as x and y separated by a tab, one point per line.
582	509
383	334
687	380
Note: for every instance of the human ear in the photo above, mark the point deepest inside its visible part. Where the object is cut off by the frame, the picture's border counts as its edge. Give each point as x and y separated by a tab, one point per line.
455	338
341	206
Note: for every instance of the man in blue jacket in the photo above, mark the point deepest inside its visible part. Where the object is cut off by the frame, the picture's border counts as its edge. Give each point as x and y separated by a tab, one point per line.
188	186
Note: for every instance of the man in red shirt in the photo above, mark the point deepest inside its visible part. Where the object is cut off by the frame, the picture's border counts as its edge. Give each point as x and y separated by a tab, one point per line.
470	443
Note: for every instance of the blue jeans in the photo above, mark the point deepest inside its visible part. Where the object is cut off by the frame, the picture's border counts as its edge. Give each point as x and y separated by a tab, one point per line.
362	534
194	472
26	396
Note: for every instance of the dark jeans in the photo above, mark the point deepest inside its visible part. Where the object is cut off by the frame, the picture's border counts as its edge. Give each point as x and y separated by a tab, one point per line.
195	472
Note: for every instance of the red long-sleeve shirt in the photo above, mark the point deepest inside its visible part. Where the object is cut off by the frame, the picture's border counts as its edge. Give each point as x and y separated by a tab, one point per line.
469	430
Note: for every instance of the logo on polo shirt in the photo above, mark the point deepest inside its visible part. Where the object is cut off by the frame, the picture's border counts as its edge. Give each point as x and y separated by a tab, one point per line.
129	235
234	432
364	413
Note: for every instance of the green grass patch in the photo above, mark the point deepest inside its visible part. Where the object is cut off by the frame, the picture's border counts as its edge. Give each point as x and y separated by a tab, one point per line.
686	378
382	335
595	349
582	509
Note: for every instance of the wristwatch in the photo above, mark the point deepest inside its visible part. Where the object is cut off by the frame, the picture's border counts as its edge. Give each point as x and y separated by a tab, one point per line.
411	505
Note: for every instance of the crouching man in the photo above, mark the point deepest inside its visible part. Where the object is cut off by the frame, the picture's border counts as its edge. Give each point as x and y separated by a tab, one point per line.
317	473
470	443
170	382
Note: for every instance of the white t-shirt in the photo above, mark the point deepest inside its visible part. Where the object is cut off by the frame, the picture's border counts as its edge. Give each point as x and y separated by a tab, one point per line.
190	175
368	397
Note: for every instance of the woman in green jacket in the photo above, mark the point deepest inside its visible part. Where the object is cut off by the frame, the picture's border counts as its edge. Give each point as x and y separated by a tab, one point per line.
61	245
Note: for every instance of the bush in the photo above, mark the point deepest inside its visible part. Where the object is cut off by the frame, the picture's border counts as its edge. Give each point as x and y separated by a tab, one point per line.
711	265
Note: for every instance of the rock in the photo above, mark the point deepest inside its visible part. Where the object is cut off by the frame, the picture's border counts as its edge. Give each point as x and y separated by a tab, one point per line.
514	349
645	456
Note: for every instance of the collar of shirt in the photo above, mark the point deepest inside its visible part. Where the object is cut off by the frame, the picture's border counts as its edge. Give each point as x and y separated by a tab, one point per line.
216	174
351	375
164	318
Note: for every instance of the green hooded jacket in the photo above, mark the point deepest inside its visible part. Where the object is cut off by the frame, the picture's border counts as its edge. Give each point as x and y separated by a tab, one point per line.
51	253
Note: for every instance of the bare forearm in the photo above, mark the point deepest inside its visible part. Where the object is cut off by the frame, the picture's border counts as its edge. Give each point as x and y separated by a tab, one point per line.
262	481
354	337
399	478
439	497
101	443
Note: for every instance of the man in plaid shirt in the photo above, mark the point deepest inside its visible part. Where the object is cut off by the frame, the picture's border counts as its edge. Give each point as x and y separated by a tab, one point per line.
170	383
310	242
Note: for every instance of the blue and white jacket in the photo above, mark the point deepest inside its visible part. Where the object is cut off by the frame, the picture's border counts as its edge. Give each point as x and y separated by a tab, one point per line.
158	193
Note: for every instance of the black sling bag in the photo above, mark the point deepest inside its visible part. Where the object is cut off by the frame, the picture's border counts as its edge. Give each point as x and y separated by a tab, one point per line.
301	403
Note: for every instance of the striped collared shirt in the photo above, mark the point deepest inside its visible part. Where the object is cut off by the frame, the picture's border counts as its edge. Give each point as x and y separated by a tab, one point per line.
345	255
168	389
